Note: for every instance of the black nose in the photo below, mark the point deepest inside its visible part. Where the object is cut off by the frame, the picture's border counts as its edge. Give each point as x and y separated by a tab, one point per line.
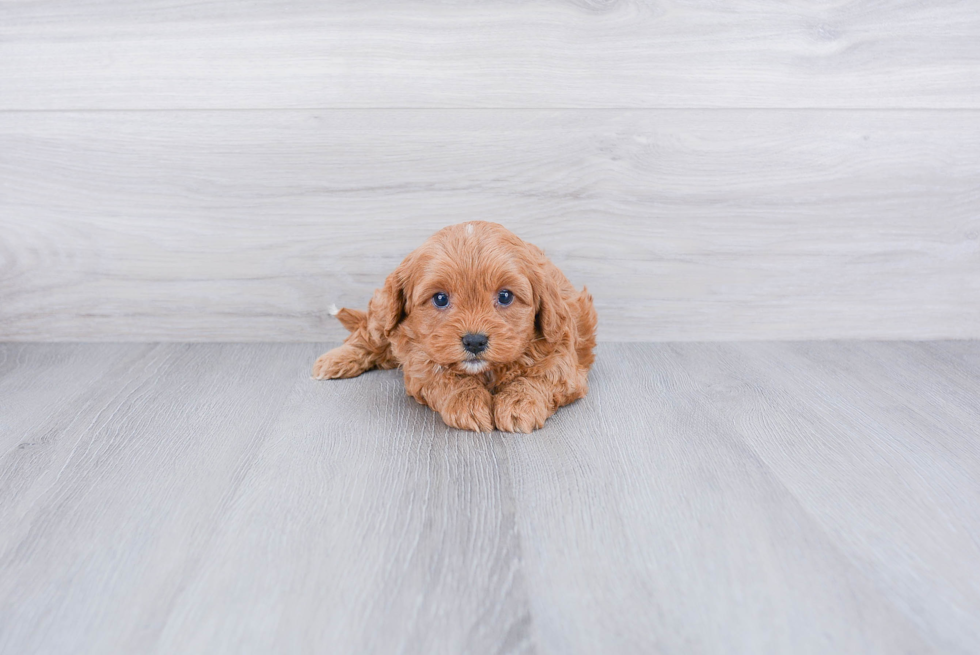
475	343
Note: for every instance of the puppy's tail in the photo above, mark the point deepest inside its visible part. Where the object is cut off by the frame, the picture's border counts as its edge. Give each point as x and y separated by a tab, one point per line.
352	319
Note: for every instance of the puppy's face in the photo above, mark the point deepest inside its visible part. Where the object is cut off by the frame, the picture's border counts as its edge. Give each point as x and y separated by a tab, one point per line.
469	299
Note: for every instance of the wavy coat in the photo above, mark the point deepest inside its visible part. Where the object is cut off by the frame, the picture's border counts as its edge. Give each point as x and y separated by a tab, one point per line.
538	346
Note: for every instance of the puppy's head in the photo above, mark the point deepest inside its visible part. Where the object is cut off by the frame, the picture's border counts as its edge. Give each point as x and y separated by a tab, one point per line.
471	297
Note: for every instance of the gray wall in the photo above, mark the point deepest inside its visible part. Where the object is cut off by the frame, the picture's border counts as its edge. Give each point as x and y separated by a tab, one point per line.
751	170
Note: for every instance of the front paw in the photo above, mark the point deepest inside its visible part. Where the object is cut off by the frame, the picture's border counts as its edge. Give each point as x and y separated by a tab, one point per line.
520	408
342	362
469	410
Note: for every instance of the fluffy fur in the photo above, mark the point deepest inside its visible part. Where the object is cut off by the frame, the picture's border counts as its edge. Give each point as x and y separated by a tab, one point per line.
539	346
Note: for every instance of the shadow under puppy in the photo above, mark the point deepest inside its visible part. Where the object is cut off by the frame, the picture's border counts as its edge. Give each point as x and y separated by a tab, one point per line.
489	333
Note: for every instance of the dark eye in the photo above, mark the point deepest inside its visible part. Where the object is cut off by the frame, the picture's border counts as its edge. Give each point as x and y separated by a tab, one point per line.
440	300
505	297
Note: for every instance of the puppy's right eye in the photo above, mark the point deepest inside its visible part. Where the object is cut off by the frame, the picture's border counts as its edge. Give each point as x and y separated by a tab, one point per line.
440	300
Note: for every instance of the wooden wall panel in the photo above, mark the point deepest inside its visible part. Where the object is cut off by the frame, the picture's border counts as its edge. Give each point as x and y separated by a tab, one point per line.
164	54
686	225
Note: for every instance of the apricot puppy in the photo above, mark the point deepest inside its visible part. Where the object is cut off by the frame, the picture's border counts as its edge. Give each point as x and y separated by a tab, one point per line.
488	332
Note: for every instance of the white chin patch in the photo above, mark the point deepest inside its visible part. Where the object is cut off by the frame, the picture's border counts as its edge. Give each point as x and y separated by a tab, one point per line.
474	366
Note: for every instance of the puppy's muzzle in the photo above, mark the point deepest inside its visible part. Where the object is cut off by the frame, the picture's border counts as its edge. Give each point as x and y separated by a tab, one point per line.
475	343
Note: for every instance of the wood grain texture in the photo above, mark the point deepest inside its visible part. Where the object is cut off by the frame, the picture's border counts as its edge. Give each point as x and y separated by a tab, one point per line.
232	480
581	53
894	480
715	498
685	225
656	529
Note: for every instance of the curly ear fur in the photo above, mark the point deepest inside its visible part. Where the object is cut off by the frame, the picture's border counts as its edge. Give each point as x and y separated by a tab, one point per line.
387	307
554	317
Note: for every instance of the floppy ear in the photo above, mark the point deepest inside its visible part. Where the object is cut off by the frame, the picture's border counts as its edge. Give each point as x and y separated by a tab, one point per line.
553	317
387	307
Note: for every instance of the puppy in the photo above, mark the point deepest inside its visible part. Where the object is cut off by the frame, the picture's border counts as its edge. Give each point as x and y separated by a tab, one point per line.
488	332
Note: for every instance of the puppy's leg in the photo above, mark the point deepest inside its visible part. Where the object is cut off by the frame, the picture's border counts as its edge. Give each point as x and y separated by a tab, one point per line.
360	352
467	406
463	402
525	402
347	361
523	405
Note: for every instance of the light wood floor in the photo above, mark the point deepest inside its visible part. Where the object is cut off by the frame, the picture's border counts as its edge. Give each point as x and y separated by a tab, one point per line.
770	497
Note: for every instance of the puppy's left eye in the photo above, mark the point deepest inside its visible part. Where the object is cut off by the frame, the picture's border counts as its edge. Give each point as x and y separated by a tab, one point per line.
505	297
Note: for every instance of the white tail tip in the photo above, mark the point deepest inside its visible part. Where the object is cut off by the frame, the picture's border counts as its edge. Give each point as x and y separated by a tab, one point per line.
332	309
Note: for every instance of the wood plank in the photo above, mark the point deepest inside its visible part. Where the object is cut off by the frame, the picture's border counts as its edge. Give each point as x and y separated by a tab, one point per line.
647	525
685	225
863	437
368	526
108	532
225	502
51	396
269	54
813	497
33	386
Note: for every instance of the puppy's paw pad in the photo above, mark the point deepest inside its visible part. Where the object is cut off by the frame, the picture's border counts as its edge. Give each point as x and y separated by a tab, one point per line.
517	412
337	363
469	411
